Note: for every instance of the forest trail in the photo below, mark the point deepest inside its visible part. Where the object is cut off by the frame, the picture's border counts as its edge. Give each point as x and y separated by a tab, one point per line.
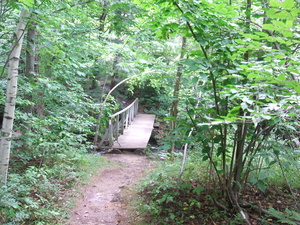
105	200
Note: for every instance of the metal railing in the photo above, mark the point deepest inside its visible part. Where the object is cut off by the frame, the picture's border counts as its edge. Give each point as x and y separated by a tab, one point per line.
119	121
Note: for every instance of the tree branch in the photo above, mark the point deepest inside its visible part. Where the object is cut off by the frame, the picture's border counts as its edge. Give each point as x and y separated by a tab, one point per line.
73	5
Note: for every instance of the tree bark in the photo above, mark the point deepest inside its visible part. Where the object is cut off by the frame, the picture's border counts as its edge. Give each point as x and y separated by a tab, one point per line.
248	22
174	105
30	50
11	93
30	63
103	16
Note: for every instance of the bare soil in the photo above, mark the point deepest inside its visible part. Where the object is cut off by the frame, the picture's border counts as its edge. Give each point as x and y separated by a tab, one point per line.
105	201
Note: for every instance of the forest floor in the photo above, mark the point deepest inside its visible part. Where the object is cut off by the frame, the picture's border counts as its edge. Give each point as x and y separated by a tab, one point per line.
106	199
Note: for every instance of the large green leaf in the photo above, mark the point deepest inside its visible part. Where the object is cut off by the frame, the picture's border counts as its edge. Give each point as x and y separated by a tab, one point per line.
288	4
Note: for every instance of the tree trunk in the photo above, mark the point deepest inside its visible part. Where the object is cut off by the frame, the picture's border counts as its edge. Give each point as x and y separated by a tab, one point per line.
30	63
103	16
248	21
174	105
11	93
30	50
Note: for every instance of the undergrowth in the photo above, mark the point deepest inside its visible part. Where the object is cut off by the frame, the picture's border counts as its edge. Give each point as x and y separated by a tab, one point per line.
43	195
165	200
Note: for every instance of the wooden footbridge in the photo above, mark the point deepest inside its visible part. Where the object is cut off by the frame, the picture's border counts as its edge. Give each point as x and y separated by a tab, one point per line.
128	129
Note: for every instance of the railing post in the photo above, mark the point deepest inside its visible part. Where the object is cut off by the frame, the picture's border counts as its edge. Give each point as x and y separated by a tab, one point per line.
136	107
127	118
122	122
132	111
117	126
110	133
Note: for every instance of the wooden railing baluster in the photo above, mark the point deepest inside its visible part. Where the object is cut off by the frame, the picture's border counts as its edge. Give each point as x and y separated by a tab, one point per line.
119	121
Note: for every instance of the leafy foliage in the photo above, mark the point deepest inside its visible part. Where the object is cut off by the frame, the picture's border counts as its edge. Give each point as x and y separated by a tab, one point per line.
240	94
242	66
59	98
164	200
34	197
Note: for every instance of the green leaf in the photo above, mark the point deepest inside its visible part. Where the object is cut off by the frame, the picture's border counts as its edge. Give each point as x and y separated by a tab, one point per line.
295	12
205	158
278	14
272	162
203	77
198	190
29	3
297	89
263	175
235	110
287	33
220	150
279	24
288	4
252	75
185	19
195	80
169	199
80	73
253	180
170	118
281	77
189	62
274	3
261	185
269	27
252	36
289	24
263	34
172	216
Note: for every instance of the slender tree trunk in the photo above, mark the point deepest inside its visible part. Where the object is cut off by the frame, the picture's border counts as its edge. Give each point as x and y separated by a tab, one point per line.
248	21
174	105
239	166
103	16
197	94
11	93
30	63
30	50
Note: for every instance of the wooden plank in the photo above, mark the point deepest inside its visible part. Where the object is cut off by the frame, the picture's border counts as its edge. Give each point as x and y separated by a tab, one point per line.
137	135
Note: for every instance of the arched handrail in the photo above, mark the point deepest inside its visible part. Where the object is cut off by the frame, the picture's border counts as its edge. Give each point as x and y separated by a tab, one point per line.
119	121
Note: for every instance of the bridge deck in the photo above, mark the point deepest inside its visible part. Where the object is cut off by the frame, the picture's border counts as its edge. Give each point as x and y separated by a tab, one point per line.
137	135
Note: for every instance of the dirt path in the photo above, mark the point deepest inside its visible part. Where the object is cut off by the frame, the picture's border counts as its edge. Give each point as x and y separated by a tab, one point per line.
105	200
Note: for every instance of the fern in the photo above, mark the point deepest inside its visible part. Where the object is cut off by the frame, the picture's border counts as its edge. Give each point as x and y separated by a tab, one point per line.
288	216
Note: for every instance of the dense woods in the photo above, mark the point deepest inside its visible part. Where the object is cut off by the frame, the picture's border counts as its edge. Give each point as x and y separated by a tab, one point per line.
222	78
